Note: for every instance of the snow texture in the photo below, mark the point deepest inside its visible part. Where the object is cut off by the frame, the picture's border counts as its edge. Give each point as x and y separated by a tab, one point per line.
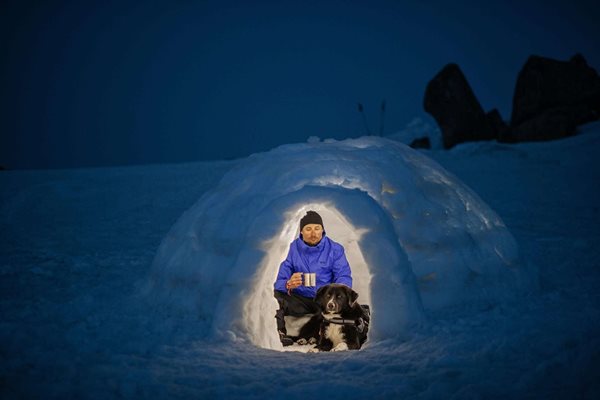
416	237
78	247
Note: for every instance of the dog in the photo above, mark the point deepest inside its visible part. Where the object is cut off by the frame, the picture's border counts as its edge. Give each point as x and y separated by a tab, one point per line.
303	329
345	323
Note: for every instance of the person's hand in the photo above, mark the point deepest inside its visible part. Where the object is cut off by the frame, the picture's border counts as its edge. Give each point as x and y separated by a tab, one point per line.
294	281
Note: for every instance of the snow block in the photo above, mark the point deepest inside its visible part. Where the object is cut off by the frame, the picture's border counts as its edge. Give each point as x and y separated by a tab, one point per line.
415	236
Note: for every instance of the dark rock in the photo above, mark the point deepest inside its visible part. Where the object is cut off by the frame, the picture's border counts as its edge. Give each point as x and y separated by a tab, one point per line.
421	143
553	97
501	129
450	100
551	124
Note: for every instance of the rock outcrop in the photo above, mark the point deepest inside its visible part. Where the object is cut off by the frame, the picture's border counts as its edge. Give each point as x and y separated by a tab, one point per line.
452	103
553	97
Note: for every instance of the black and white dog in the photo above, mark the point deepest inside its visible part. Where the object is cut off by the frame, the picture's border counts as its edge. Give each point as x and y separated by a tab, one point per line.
305	329
345	322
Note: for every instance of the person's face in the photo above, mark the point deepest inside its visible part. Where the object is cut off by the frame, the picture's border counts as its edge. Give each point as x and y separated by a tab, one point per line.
312	233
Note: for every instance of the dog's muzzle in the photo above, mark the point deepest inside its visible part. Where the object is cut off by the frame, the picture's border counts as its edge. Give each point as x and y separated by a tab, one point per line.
331	306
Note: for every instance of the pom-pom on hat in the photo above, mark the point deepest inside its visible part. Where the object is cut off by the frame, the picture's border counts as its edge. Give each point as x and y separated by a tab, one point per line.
311	217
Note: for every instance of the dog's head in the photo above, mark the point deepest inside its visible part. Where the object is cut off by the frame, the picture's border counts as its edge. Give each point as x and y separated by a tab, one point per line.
335	298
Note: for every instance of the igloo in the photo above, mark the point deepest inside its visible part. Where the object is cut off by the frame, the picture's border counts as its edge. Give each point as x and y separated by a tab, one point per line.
417	238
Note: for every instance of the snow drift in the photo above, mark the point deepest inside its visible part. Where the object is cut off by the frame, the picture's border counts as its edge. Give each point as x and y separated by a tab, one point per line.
415	236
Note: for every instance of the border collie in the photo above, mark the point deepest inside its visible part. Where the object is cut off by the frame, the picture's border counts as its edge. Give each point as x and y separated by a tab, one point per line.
305	329
345	322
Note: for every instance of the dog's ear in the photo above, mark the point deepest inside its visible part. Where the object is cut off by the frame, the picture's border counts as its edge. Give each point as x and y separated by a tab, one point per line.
352	296
320	294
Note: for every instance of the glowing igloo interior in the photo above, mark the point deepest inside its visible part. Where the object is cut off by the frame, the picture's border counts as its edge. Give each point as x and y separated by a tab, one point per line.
415	236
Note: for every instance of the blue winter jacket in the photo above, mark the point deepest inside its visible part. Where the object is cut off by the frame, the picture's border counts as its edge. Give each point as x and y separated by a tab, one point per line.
326	259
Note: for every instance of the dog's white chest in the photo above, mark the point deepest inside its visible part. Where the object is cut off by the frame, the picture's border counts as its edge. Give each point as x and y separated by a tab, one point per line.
335	334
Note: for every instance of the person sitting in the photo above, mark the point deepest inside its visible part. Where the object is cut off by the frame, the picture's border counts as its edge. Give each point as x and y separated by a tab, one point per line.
311	252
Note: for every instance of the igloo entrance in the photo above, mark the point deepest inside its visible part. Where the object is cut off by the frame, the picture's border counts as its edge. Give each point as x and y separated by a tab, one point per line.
260	307
354	220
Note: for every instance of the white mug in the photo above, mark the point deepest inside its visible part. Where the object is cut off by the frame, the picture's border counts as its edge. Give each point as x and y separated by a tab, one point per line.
310	279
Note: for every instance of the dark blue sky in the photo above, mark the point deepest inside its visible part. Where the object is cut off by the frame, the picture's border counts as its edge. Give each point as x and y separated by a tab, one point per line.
120	82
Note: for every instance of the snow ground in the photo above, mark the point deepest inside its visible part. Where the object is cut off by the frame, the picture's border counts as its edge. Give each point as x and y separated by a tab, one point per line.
78	244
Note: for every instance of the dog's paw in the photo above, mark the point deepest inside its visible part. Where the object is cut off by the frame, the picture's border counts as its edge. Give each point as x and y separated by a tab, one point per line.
302	341
312	340
340	347
313	350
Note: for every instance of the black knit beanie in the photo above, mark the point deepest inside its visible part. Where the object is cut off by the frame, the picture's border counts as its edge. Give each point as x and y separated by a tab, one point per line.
311	217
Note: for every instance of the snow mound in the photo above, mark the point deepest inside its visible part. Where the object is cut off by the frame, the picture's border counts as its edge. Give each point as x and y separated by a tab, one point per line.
416	237
417	128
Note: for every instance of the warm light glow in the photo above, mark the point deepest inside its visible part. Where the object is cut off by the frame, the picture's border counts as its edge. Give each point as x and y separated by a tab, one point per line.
259	310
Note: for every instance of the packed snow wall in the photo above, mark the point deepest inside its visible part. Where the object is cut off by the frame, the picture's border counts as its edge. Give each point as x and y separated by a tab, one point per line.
416	237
